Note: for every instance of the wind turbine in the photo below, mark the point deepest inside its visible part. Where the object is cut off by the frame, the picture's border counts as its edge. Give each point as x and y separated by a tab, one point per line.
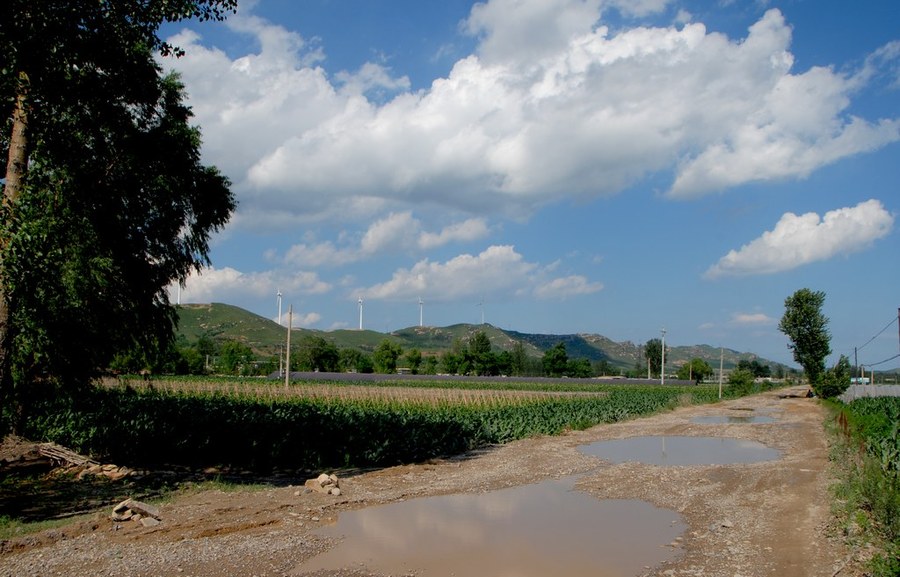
360	313
421	304
481	304
279	307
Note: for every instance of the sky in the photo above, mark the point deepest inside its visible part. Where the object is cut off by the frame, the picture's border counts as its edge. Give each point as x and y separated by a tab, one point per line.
617	167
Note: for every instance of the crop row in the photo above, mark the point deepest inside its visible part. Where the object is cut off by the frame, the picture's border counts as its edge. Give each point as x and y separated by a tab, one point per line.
251	431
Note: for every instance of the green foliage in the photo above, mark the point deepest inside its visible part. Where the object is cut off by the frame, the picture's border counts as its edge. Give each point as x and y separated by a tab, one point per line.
758	369
235	359
555	360
653	354
807	328
315	353
114	202
833	382
248	431
414	360
696	370
740	382
871	486
385	357
579	369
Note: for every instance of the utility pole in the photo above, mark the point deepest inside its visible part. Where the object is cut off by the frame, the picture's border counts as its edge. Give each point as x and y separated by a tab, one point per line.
721	365
287	355
662	371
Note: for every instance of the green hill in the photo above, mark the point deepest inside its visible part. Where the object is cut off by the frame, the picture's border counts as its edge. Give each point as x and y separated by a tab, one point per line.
222	322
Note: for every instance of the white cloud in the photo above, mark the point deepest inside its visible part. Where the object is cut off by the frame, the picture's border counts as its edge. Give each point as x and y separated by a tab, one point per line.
304	320
466	231
397	232
799	240
231	285
552	104
563	287
497	272
751	319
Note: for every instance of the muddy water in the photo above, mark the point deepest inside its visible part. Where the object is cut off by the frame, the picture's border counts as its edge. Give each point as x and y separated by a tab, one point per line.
530	531
681	450
732	419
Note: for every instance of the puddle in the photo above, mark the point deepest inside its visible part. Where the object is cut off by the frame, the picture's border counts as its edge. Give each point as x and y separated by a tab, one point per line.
531	531
681	450
732	419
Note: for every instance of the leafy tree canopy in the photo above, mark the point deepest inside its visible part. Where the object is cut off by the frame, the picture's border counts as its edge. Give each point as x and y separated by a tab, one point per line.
105	199
807	328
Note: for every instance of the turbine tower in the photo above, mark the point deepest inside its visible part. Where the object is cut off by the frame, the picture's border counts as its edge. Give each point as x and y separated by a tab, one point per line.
279	307
421	304
360	313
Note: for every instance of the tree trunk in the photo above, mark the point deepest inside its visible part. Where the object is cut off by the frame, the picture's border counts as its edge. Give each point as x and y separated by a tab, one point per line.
16	167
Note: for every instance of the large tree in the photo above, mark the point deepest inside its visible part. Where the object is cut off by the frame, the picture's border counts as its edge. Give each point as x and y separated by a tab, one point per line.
653	354
105	199
807	328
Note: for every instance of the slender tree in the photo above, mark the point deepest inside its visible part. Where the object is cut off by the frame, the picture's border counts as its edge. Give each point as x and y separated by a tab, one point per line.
807	328
105	200
653	354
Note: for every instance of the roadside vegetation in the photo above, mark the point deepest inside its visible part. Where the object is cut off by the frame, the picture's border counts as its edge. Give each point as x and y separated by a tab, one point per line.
867	496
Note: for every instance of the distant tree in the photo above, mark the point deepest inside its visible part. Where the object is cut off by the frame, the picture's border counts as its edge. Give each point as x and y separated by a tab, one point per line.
807	328
315	353
653	354
579	369
235	358
758	369
385	357
483	359
555	360
504	363
604	368
450	362
740	381
414	360
696	370
518	359
430	365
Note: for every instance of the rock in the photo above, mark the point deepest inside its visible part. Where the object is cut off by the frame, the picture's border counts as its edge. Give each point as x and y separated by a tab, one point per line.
135	510
336	491
149	522
324	484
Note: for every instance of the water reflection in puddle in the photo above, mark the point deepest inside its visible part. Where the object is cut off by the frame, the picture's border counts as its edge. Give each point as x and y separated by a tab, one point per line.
732	419
681	450
530	531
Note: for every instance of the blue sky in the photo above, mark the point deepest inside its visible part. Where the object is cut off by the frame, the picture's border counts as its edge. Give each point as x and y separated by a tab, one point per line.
559	166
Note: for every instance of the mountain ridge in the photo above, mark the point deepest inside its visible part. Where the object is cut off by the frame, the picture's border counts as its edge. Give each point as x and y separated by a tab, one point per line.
222	322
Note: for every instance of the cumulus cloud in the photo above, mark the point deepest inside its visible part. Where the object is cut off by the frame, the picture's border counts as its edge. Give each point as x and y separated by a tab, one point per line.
397	232
230	285
497	272
552	104
799	240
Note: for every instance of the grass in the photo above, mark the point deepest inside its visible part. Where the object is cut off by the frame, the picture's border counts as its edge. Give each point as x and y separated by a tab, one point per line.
866	501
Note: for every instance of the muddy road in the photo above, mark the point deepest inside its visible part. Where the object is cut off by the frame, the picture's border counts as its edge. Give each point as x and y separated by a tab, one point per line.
749	518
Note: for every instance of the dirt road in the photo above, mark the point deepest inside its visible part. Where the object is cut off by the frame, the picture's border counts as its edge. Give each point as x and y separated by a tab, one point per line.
768	518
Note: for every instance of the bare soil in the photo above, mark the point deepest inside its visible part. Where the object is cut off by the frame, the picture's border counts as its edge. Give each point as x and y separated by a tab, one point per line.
769	518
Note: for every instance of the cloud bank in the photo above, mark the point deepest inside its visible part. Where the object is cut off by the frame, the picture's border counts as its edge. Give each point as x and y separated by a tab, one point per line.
585	112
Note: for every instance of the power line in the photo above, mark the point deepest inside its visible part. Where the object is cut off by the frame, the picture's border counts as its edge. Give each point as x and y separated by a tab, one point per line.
886	327
882	362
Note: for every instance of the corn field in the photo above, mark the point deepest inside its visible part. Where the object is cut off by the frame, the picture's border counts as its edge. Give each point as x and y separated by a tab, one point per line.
259	425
